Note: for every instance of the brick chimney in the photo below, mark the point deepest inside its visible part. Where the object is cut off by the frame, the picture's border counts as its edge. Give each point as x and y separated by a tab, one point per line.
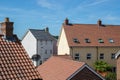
66	22
7	28
99	22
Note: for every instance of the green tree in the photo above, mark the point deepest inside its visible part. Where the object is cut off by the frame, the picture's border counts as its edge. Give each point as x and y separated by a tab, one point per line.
110	76
102	66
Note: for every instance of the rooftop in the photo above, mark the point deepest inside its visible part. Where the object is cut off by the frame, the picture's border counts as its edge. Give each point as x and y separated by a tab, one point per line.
92	34
41	34
57	68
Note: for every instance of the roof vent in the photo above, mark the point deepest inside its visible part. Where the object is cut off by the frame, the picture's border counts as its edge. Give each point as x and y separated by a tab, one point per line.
99	22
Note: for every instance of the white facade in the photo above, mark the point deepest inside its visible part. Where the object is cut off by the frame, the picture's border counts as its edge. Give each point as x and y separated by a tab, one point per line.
29	43
63	47
33	46
45	49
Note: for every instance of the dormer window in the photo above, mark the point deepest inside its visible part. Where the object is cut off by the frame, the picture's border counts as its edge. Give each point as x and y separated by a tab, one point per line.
87	40
75	40
100	41
111	40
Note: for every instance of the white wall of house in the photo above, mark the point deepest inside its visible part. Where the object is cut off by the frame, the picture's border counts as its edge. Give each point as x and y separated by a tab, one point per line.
45	49
63	47
29	43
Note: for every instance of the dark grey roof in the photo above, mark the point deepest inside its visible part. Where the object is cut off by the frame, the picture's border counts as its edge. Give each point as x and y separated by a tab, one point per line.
41	34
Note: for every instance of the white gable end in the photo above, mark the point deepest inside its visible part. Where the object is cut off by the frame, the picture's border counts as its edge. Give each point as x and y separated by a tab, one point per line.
63	47
29	43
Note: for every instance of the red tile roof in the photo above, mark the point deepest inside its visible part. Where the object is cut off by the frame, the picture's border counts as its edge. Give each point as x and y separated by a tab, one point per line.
57	68
93	32
64	56
15	63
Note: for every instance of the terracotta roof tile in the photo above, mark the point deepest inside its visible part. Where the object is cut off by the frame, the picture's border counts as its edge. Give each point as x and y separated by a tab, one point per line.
15	62
93	32
57	68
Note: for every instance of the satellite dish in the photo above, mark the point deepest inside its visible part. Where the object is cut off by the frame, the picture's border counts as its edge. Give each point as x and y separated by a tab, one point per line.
36	57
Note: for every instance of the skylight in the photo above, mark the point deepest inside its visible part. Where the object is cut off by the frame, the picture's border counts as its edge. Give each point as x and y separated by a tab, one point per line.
100	41
111	40
75	40
87	40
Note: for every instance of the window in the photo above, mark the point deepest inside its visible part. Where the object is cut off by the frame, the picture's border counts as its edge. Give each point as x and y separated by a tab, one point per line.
88	56
75	40
76	56
45	51
100	41
101	56
113	56
50	51
87	40
111	41
113	69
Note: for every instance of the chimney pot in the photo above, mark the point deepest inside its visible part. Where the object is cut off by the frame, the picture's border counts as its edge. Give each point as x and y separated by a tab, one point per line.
46	29
99	22
66	22
6	19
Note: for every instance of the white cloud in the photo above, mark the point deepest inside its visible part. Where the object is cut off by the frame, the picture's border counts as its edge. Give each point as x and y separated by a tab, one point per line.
90	3
18	12
48	4
110	17
96	2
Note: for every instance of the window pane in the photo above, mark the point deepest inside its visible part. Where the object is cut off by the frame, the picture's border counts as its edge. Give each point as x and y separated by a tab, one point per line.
100	41
89	56
101	56
111	41
75	40
76	56
87	40
113	56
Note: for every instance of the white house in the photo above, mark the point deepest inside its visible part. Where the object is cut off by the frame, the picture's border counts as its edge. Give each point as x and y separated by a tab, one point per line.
40	45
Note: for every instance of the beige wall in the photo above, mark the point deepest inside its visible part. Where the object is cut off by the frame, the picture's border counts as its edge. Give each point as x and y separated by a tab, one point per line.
107	54
95	52
63	47
118	68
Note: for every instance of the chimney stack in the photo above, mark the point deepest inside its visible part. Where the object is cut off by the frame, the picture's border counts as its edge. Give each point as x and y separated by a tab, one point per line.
99	22
66	22
46	29
7	28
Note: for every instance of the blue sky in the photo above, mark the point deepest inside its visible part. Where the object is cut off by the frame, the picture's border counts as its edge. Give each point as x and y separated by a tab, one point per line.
38	14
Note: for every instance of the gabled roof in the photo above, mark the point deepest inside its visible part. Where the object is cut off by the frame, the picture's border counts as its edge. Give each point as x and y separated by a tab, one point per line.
58	68
41	34
93	32
15	63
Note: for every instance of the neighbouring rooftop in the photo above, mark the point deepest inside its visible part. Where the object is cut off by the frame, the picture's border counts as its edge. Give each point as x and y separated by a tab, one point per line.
92	34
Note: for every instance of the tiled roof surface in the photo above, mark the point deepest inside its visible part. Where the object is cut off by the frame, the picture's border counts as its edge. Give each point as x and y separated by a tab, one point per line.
64	56
41	34
15	63
57	68
93	32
